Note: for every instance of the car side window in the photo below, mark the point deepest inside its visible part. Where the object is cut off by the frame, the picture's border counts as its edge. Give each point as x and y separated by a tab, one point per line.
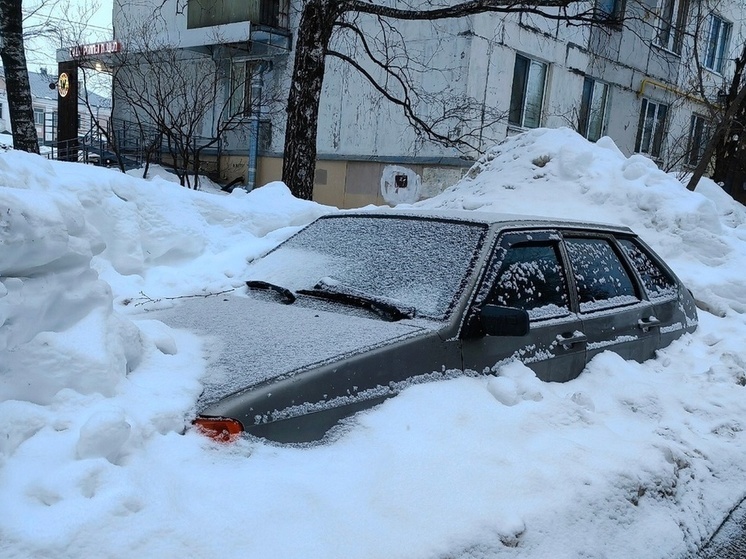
657	282
600	276
531	278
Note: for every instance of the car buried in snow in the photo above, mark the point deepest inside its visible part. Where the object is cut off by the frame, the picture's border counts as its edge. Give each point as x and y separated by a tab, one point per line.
356	306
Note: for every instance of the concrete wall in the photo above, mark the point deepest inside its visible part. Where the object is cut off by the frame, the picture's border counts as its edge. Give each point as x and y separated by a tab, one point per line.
353	184
168	25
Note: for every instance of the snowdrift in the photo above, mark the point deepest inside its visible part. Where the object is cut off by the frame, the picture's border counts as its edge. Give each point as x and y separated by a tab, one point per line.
629	459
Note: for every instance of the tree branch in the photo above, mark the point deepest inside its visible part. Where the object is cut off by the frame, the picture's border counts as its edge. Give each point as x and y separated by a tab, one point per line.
472	7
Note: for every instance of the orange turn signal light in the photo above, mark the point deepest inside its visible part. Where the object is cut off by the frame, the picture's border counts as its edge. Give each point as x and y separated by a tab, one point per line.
221	429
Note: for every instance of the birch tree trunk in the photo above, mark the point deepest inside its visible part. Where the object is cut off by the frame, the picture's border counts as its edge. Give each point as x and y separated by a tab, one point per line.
16	77
314	32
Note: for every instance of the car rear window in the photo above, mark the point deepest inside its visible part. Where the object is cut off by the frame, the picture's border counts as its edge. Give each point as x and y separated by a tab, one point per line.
600	276
657	282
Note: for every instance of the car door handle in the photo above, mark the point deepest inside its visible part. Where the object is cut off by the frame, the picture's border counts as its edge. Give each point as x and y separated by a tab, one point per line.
646	324
569	339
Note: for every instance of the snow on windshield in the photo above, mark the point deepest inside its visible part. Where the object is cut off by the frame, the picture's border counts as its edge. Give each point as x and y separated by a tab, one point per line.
418	262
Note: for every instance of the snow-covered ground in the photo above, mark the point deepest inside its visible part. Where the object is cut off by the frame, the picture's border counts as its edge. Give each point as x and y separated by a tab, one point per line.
628	460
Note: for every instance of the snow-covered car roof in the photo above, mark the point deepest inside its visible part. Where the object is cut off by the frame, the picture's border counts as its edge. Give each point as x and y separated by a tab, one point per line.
490	218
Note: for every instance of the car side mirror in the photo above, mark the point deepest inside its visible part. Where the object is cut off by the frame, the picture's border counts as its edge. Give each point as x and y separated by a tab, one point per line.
504	321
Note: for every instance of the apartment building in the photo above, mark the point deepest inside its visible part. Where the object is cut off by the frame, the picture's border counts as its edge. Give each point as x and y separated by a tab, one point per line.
640	73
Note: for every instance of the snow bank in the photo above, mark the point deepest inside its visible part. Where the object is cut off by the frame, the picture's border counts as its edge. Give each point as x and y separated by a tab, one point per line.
628	460
52	303
79	381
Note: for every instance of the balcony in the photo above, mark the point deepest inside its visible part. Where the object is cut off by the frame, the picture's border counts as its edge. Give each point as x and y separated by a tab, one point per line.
211	13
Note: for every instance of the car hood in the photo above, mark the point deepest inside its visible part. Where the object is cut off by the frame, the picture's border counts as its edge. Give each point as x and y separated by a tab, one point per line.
248	341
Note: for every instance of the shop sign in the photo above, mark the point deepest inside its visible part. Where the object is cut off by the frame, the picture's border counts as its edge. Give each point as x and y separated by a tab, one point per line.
95	49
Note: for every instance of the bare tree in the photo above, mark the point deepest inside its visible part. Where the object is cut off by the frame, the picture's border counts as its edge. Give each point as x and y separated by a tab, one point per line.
16	76
730	151
322	20
717	101
169	93
727	143
103	131
181	103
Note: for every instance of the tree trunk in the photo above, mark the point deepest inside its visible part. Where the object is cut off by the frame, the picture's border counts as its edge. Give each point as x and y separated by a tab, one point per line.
726	137
314	32
718	137
16	77
730	154
730	166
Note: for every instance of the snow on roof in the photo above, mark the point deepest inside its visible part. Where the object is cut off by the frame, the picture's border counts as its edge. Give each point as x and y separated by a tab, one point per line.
39	83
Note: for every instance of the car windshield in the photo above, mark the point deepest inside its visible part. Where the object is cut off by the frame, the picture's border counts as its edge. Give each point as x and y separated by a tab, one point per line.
416	262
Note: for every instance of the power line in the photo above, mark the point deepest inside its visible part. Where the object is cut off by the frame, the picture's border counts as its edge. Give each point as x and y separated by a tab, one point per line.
63	20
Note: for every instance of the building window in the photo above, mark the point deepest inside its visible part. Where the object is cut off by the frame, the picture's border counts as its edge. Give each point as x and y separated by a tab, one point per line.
671	23
699	135
650	128
242	89
527	96
610	10
55	121
39	117
593	109
716	43
206	13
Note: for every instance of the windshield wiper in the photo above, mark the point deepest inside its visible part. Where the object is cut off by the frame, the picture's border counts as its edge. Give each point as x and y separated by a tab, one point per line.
288	297
388	309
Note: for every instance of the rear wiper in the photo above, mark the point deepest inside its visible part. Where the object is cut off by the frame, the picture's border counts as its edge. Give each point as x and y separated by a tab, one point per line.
288	296
388	309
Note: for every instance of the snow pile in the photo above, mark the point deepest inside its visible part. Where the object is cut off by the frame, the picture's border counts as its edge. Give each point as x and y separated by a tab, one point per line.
155	232
52	304
79	381
628	460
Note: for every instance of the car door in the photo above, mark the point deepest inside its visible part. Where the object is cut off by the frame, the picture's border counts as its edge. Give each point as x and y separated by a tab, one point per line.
613	310
526	272
660	288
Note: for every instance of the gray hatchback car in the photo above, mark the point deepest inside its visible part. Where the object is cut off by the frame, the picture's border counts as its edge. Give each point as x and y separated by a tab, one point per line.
356	306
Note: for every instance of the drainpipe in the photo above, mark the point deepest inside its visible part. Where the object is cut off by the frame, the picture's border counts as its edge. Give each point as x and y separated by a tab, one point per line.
253	152
257	81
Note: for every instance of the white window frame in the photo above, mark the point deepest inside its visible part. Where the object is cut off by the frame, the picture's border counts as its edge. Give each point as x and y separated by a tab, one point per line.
672	16
718	32
38	116
651	127
242	102
594	105
526	107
